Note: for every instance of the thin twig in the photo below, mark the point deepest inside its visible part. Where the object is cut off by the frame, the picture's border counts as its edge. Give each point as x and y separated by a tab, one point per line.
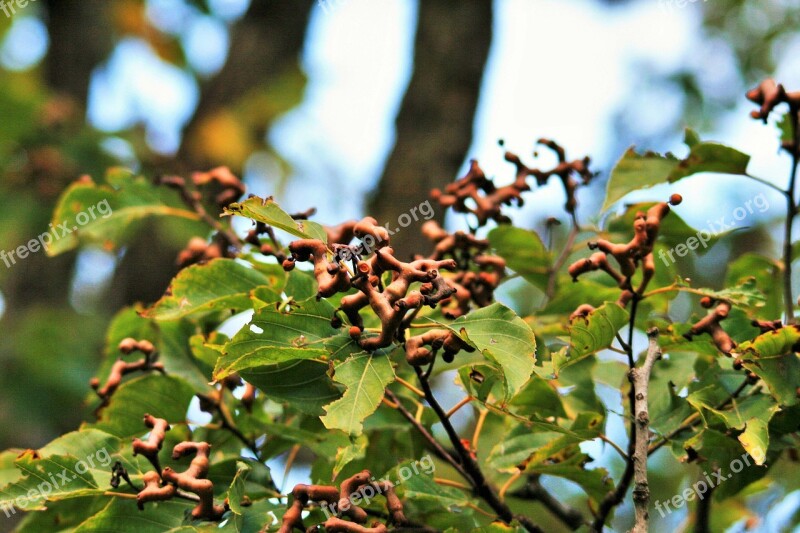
765	182
464	401
437	448
615	497
640	381
478	428
614	445
410	387
533	490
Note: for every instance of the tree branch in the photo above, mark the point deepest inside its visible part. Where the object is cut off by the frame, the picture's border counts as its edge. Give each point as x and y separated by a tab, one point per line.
616	496
640	379
473	470
533	490
437	448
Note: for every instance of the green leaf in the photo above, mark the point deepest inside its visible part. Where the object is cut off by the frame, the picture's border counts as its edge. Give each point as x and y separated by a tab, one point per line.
104	214
62	515
596	482
767	275
593	333
771	356
279	336
755	439
538	398
719	451
175	351
422	487
221	284
122	516
366	377
504	339
304	384
54	477
524	253
165	397
642	171
353	452
236	493
266	210
637	171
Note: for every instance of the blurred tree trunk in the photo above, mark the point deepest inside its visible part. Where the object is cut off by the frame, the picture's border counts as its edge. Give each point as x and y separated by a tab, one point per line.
434	125
265	45
80	38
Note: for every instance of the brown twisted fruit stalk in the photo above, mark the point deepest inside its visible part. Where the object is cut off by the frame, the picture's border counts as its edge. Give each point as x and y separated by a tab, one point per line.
331	276
476	194
193	479
341	502
153	491
567	171
337	525
767	325
639	251
421	349
476	189
150	448
232	187
770	95
711	324
120	368
456	245
198	250
467	286
393	302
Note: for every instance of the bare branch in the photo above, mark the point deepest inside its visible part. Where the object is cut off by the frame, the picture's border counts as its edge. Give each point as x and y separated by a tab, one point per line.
640	379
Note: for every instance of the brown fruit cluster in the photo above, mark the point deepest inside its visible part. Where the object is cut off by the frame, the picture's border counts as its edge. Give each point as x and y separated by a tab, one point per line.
770	95
344	502
162	485
223	188
421	349
120	368
392	299
638	252
478	274
193	479
476	194
151	447
198	250
711	324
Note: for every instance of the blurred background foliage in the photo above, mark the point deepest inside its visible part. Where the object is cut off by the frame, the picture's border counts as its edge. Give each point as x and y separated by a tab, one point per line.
351	106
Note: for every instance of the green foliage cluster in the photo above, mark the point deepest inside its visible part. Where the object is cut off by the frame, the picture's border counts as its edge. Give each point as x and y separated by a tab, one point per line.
247	339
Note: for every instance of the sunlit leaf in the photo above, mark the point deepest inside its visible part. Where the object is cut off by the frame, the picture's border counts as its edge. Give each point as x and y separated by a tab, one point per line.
366	377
